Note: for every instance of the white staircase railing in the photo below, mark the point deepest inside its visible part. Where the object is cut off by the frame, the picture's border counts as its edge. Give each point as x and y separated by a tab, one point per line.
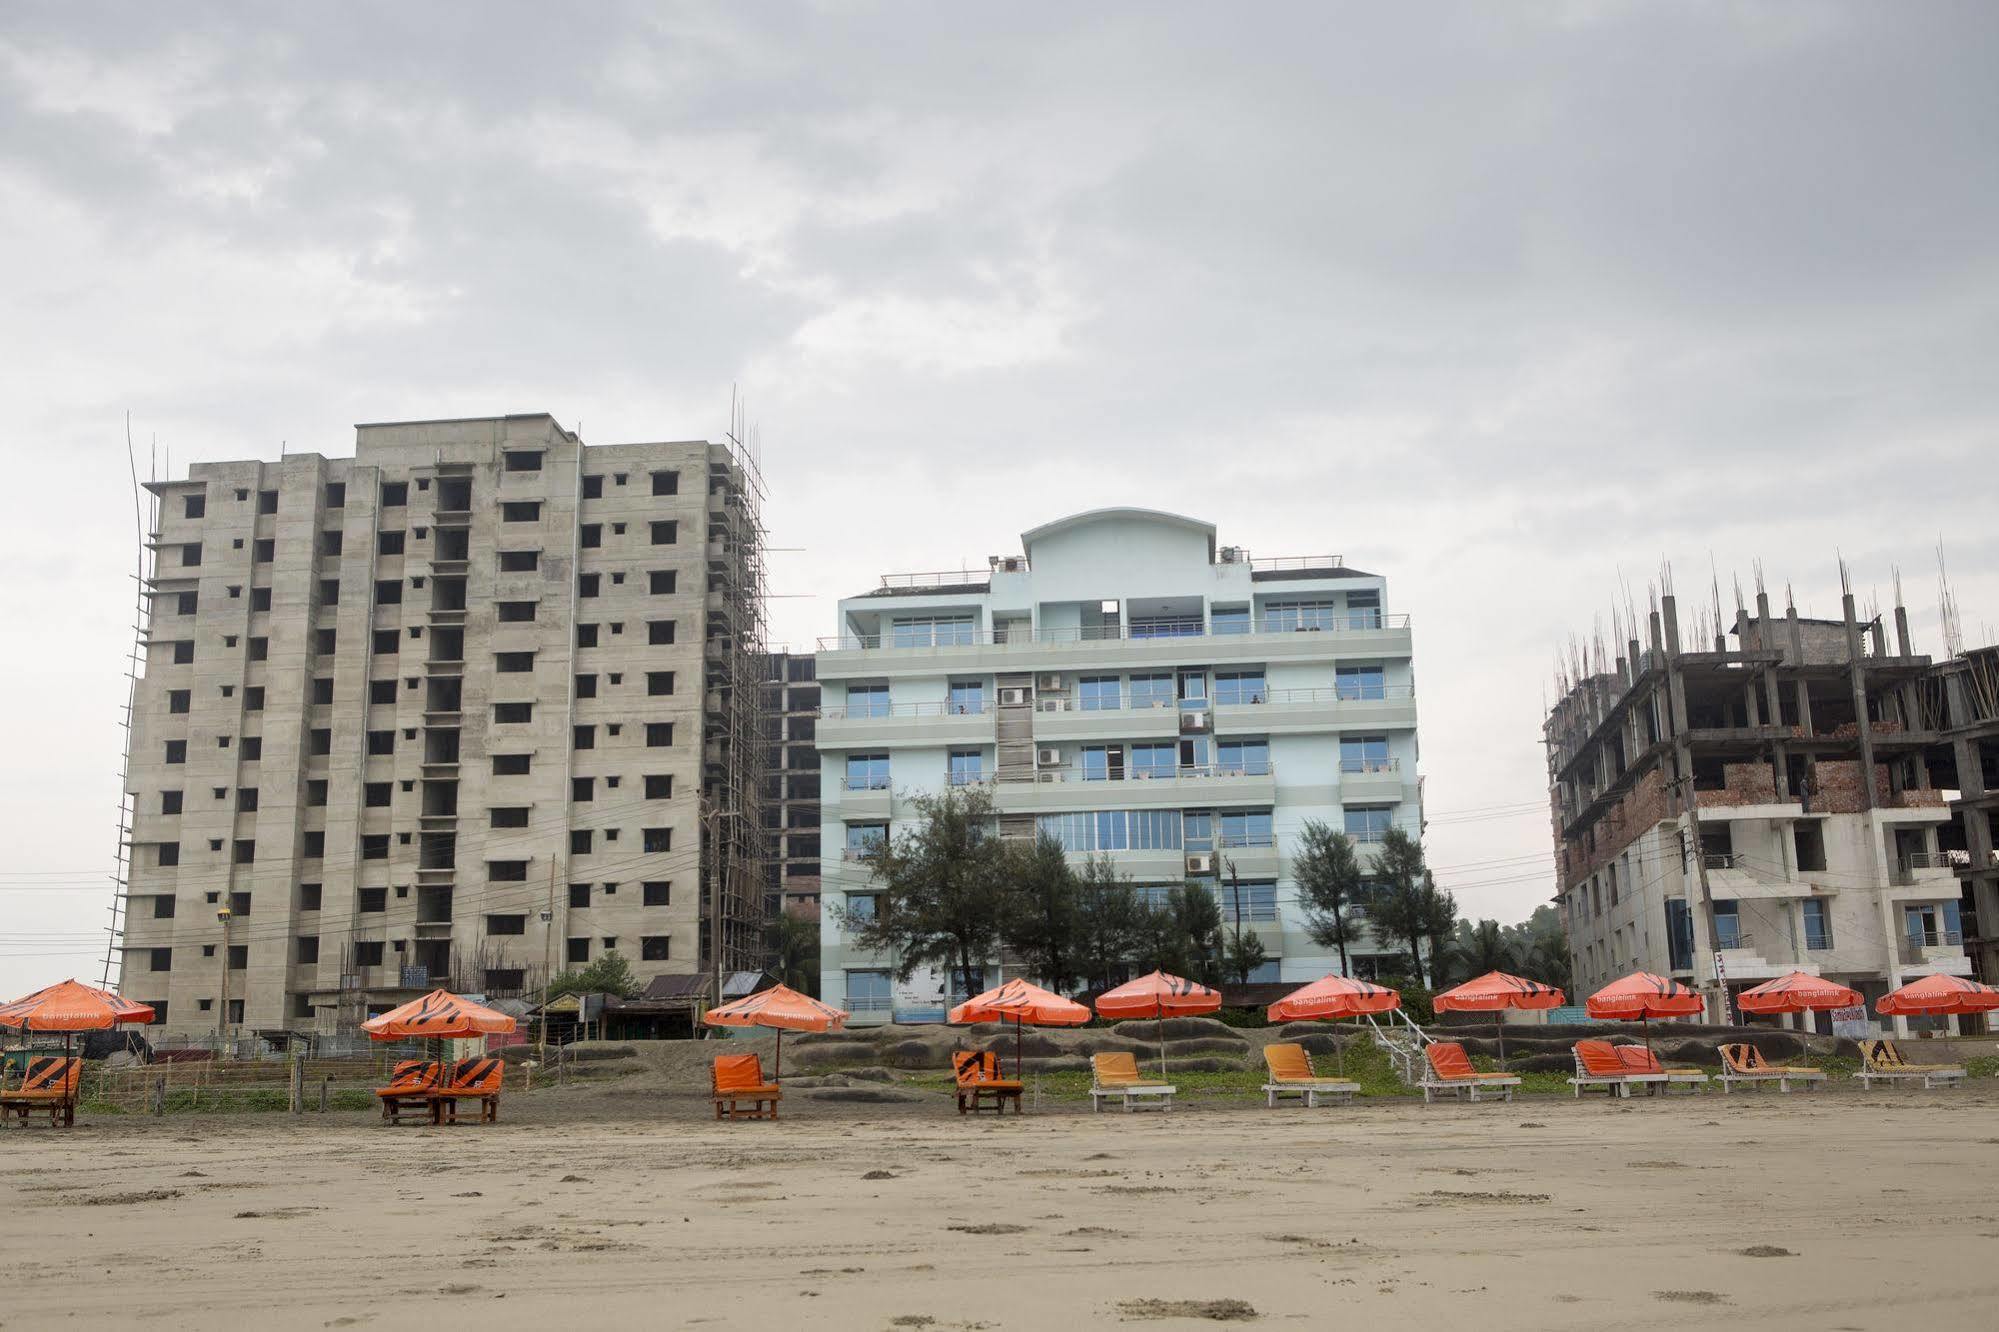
1404	1041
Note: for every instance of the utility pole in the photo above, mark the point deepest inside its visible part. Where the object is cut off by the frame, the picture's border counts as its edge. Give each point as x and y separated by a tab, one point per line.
223	915
547	956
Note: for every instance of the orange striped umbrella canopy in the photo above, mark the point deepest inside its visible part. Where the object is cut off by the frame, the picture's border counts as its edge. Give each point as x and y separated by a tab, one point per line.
781	1008
1022	1002
1158	995
72	1006
1796	993
1496	990
438	1014
1643	995
1334	997
1938	994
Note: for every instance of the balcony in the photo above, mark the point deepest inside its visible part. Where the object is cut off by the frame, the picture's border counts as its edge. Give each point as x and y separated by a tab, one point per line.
1058	718
1933	952
886	724
1370	780
1343	707
1926	867
1118	647
1057	789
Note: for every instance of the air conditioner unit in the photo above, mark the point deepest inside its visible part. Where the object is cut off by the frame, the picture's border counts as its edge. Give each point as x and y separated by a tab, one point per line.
1048	705
1008	563
1200	864
1051	684
1047	758
1231	555
1193	721
1014	697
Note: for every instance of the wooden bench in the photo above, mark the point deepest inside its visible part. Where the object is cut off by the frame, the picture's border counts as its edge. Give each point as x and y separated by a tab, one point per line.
1881	1061
1291	1075
737	1078
1744	1063
1452	1074
977	1079
474	1080
50	1084
1116	1078
407	1096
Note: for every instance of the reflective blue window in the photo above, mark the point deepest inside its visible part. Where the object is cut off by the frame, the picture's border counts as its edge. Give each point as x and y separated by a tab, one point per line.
1099	693
1366	823
867	700
1240	687
1364	753
1359	682
1249	757
1153	760
1152	691
967	767
1245	827
867	772
1228	620
967	697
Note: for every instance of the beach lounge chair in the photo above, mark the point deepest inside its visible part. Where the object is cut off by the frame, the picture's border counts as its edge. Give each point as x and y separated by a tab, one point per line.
1116	1078
1291	1075
976	1073
1744	1063
474	1080
1599	1069
408	1094
740	1077
50	1084
1451	1074
1880	1060
1639	1059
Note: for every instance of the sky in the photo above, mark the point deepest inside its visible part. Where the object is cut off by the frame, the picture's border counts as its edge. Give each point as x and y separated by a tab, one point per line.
1510	303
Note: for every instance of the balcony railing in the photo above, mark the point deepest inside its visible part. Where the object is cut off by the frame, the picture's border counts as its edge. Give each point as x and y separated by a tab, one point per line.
1283	562
1933	860
870	1003
938	636
1349	693
1915	942
862	711
968	776
1370	765
1732	940
871	782
1236	841
1719	860
938	578
1072	774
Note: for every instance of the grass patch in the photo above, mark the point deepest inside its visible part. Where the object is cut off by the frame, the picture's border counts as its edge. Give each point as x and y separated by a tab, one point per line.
235	1100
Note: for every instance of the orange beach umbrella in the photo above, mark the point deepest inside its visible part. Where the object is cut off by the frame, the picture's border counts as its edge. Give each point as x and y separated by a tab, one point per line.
1022	1002
780	1009
71	1006
1494	991
1934	995
1644	996
1797	992
439	1013
1158	996
1334	997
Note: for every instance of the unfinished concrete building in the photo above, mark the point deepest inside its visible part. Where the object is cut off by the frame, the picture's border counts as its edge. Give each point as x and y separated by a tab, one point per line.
477	703
791	783
1799	798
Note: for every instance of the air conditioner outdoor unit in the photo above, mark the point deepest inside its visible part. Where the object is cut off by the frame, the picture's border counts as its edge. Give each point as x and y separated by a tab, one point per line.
1048	758
1193	721
1231	555
1200	864
1013	697
1048	683
1048	705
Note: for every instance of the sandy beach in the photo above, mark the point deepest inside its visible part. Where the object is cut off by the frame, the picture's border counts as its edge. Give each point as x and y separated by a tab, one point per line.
1838	1210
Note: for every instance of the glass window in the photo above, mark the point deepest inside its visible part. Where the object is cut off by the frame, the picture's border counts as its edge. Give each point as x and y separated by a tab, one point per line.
1155	830
1255	898
1152	691
1153	760
1198	830
869	992
1113	830
867	772
1727	926
1679	935
1155	895
1359	682
1165	626
1099	693
967	697
1366	823
1364	753
1283	617
1240	687
867	700
1228	620
968	766
1818	924
932	631
861	906
1363	610
1246	757
1245	827
1102	763
863	838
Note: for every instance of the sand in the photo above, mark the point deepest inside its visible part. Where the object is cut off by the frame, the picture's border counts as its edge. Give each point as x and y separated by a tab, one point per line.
1838	1210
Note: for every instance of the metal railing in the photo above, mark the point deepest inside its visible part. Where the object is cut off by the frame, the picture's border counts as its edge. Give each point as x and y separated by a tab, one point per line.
1279	562
937	578
1719	860
1914	943
1237	841
869	783
1355	693
1370	765
1074	774
870	1004
1338	622
865	711
968	777
1933	860
1732	940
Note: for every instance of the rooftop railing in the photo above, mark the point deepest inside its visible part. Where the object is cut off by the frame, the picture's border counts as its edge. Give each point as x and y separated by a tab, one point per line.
1297	562
937	578
933	636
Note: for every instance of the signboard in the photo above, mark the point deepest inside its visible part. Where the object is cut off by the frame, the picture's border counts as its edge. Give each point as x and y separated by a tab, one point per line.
926	996
1852	1023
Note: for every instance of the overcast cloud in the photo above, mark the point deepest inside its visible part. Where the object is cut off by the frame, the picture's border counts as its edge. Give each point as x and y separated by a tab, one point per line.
1499	300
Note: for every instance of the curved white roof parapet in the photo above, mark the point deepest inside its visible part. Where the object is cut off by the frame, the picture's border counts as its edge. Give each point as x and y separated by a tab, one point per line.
1090	516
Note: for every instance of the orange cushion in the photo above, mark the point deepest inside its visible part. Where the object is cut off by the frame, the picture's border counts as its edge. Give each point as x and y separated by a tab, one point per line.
738	1073
1599	1059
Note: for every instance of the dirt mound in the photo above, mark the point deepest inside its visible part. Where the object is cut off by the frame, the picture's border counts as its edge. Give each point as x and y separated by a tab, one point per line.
1179	1029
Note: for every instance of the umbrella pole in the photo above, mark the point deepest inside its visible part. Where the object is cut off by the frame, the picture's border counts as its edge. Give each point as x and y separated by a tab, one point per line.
1499	1030
1159	1016
777	1062
1340	1050
1017	1072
